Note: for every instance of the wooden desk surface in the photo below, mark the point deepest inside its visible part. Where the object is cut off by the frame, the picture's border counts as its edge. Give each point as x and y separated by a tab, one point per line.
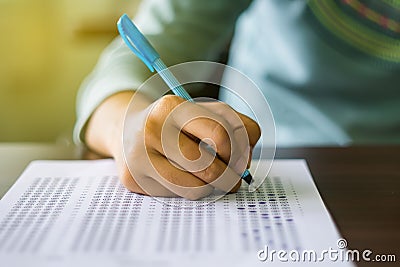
359	185
361	188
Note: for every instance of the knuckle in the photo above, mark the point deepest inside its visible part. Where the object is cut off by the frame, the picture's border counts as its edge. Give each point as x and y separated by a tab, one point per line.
254	130
219	136
162	107
169	101
151	135
211	173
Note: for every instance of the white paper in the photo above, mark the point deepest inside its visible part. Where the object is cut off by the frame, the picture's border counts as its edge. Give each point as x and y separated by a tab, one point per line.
64	213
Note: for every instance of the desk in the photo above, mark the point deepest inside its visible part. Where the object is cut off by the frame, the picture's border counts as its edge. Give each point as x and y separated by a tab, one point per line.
361	188
359	185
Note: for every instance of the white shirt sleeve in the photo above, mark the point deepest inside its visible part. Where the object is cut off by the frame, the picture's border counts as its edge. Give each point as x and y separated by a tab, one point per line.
180	30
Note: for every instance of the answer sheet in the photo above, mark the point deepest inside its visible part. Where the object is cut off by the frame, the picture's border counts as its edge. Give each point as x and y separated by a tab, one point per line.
76	213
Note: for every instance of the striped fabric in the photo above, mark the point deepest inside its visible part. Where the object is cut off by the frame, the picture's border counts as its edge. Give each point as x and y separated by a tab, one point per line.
369	26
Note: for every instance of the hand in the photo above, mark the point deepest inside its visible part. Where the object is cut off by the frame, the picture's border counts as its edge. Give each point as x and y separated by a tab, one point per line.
162	147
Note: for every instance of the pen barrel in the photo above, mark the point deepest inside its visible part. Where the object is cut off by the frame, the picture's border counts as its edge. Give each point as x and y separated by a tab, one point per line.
170	79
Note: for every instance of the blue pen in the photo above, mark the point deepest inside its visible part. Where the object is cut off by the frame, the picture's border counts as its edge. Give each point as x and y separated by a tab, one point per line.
142	48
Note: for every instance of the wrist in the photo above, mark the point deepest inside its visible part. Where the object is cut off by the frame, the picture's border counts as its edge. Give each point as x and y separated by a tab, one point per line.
104	131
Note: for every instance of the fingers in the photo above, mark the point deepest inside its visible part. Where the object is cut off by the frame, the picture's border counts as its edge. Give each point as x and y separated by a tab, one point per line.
163	179
254	134
167	157
167	182
194	120
195	158
184	151
218	125
205	125
252	128
228	138
138	183
181	183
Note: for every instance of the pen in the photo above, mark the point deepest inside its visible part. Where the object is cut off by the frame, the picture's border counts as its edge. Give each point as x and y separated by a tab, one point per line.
142	48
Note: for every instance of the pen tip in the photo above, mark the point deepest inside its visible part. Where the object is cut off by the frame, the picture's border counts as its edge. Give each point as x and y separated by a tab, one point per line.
247	178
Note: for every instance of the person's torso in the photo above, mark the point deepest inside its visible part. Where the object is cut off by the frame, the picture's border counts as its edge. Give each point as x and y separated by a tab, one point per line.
338	58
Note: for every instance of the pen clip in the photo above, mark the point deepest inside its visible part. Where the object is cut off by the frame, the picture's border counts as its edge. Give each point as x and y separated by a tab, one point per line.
136	42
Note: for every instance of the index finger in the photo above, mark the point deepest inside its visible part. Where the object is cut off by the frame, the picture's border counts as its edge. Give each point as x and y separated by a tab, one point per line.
207	126
252	128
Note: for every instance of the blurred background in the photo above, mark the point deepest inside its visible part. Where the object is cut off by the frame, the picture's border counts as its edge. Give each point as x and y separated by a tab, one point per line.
47	47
